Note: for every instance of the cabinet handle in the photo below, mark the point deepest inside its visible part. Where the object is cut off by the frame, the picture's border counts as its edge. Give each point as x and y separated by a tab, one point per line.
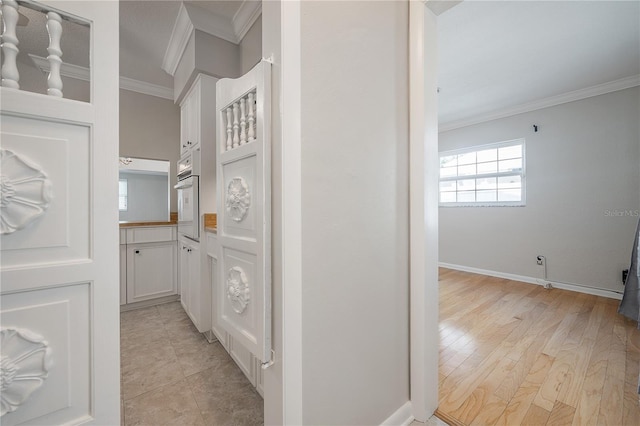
137	251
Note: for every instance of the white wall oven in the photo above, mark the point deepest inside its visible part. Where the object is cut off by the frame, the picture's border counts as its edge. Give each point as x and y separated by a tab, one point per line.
188	195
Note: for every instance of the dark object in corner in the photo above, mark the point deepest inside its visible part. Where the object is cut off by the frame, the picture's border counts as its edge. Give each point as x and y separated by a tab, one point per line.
625	274
630	303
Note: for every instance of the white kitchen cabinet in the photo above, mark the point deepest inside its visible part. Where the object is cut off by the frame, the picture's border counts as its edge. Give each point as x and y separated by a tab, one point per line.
197	115
212	258
190	283
151	271
148	266
190	113
123	274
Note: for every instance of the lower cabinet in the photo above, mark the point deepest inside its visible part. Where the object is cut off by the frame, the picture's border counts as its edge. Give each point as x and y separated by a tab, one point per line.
218	331
148	266
248	363
123	274
151	271
190	285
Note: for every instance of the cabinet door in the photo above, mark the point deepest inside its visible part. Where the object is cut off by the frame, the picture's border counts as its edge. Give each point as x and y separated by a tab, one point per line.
193	119
151	271
183	271
194	296
123	274
215	325
184	127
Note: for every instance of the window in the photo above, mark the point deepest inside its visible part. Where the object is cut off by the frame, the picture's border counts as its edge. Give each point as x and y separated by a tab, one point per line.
488	175
122	192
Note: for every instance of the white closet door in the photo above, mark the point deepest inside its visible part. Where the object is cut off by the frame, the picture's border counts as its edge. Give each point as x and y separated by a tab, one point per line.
244	209
59	244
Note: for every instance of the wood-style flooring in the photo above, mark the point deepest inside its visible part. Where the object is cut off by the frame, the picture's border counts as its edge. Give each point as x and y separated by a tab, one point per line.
516	354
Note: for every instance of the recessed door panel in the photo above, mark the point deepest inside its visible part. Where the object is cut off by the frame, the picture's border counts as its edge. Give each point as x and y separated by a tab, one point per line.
241	199
46	174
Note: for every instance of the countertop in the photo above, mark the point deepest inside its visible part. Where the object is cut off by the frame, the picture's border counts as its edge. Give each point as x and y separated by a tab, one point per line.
173	220
211	222
136	224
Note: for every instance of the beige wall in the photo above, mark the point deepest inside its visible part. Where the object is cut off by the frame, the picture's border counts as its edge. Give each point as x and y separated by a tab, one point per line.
206	54
251	47
355	211
581	195
32	79
150	128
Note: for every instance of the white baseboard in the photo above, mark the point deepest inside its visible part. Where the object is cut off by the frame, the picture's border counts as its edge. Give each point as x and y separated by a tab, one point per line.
530	280
402	417
147	303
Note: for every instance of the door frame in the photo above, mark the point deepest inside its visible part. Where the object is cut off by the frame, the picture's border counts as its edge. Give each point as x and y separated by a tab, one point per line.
423	212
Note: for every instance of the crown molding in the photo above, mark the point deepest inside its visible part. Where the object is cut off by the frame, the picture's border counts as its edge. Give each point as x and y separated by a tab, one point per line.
68	70
180	35
82	73
192	17
245	17
145	88
576	95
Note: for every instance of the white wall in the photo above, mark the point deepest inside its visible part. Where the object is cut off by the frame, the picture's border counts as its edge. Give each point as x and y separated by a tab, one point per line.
355	210
150	128
581	164
251	47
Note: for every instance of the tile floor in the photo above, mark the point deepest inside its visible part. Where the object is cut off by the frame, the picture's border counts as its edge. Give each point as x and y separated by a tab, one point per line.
171	375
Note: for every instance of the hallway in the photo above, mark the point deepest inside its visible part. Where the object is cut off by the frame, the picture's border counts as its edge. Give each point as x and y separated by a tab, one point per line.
171	375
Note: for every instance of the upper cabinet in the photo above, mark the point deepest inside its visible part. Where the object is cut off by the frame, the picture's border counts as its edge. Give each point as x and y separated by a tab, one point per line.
190	114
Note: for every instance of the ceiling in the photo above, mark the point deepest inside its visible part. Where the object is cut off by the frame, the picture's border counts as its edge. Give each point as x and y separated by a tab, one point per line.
495	55
145	30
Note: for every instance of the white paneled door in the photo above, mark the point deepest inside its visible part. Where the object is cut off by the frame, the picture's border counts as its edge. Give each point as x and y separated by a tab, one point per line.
59	234
244	209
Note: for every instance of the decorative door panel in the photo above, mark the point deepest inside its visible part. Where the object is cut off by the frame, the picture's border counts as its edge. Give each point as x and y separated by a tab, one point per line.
239	311
59	308
46	175
243	300
47	363
239	180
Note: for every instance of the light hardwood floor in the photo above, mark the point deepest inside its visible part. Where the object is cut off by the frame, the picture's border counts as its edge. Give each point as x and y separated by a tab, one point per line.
516	354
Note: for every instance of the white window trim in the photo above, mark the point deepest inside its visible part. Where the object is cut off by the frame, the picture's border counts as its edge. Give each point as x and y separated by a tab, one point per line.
476	148
126	196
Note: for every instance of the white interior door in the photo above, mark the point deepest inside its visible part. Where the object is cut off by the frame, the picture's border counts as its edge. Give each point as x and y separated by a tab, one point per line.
244	212
59	214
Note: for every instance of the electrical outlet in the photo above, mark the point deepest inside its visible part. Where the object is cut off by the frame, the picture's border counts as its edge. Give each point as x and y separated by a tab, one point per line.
540	260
